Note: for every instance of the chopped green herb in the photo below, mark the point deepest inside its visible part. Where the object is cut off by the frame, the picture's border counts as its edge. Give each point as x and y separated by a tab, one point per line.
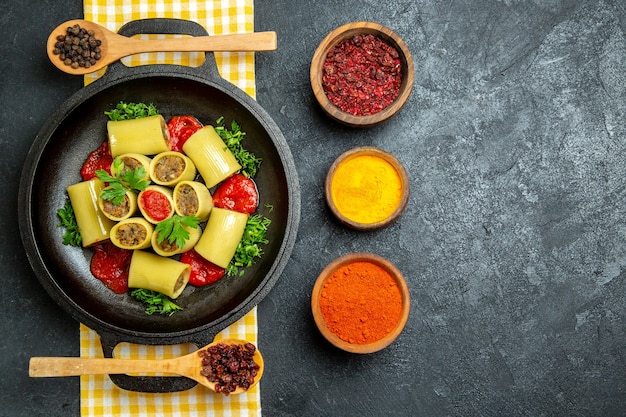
248	249
155	302
250	164
71	236
174	229
123	181
127	111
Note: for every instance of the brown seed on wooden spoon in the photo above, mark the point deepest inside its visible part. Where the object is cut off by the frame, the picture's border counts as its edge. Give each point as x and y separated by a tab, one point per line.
190	366
115	47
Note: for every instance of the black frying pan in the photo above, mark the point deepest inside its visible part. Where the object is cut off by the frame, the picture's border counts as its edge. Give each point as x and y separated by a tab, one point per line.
77	128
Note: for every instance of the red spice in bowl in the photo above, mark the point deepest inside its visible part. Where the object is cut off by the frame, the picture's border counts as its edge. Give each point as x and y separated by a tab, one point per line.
360	303
362	74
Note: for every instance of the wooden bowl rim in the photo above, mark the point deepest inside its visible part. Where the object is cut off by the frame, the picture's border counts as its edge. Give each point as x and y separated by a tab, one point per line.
387	156
319	318
344	32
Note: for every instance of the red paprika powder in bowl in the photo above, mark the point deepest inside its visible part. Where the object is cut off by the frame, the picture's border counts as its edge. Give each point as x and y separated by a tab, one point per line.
360	302
362	74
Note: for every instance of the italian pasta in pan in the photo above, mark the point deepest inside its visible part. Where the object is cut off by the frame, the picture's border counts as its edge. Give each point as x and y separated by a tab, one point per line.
131	161
214	161
121	211
165	247
158	205
193	198
169	168
157	273
146	136
94	226
222	234
132	233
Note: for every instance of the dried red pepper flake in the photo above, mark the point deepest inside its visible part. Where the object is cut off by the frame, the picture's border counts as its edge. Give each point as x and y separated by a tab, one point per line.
362	75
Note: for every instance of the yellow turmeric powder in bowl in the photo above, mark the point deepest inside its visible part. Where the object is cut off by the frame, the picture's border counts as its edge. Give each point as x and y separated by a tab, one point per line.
367	188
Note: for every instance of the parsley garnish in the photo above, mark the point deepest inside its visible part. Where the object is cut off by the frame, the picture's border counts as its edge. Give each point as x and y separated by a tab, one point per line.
126	111
232	138
248	249
174	229
71	236
123	181
155	302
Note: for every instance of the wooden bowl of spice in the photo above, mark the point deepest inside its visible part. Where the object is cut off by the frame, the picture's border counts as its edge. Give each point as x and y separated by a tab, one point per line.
362	74
360	302
367	188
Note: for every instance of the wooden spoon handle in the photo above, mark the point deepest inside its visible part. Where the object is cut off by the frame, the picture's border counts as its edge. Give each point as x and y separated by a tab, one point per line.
65	366
237	42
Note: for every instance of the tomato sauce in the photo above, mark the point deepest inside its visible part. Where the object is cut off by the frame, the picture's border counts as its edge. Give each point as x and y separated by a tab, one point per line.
237	193
99	159
110	265
203	272
180	128
155	204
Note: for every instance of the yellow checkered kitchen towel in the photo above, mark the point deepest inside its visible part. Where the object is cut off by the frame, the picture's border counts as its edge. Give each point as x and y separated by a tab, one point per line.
99	396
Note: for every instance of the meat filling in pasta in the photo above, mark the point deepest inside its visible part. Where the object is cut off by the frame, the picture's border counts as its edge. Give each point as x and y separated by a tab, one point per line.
168	168
187	200
117	210
179	282
167	246
131	234
130	163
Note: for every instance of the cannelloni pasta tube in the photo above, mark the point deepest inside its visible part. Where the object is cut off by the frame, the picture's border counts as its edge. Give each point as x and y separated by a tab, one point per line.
193	198
170	168
153	272
212	158
146	136
117	212
222	234
132	161
132	233
165	248
93	225
155	203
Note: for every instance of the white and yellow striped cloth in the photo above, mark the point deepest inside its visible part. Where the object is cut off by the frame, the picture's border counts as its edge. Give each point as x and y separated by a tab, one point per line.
99	396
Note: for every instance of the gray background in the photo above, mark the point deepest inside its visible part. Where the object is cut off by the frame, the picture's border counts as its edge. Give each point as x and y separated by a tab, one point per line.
512	243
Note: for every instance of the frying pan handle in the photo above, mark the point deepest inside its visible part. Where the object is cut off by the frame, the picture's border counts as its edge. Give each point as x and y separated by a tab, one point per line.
166	27
145	383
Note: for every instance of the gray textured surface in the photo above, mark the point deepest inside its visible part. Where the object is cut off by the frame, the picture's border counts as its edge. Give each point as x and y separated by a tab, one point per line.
513	240
513	243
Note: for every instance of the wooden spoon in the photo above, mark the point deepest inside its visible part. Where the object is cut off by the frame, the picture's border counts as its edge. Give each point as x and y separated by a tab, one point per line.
188	366
115	47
